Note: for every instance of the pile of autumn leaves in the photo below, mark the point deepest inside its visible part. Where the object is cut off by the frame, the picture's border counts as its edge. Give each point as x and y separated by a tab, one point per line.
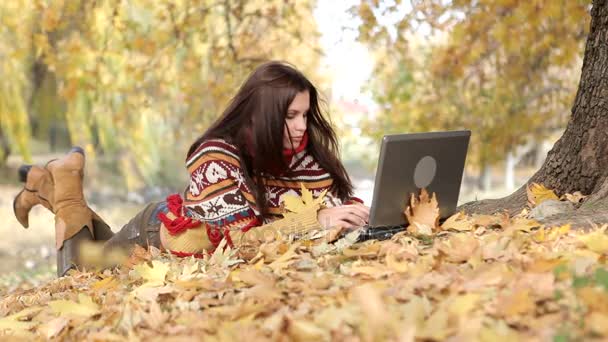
487	278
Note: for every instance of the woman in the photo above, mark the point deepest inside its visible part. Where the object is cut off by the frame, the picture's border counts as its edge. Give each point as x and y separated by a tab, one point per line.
271	138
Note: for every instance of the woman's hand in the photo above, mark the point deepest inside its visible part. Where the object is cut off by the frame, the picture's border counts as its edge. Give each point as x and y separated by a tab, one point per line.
345	216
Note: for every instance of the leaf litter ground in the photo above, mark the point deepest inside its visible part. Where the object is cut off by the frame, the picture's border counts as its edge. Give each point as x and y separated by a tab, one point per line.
480	277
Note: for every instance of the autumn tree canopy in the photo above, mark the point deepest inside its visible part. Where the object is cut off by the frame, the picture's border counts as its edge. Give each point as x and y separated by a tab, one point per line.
508	69
138	79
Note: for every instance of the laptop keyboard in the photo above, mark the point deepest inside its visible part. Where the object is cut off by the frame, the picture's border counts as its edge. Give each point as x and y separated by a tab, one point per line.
380	233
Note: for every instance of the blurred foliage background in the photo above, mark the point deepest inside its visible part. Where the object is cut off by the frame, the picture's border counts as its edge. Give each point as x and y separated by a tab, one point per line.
135	81
506	69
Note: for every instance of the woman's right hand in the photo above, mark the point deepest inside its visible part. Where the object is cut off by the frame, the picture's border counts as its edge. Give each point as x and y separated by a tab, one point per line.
344	216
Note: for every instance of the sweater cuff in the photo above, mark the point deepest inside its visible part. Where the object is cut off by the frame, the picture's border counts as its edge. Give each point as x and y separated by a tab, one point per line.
354	200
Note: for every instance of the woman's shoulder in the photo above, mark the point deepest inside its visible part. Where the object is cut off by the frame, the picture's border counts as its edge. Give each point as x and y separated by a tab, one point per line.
214	146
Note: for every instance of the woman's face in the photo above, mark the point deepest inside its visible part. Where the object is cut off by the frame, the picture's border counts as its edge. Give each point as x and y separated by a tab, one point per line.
295	121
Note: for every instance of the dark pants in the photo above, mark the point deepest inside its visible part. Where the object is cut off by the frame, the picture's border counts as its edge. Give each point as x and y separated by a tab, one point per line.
143	230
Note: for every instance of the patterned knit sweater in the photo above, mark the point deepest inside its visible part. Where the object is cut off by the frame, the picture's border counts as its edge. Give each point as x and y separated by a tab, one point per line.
218	203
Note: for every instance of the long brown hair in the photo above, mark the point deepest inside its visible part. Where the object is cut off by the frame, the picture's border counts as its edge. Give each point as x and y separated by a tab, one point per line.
256	116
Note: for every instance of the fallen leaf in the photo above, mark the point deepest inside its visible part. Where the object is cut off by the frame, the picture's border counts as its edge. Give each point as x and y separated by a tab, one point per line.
254	277
84	307
517	303
596	241
462	305
422	213
378	319
523	225
398	266
224	256
575	197
53	327
595	299
155	317
458	222
597	323
376	271
301	330
551	234
459	248
151	293
435	327
538	193
155	275
108	283
138	256
16	322
189	270
286	258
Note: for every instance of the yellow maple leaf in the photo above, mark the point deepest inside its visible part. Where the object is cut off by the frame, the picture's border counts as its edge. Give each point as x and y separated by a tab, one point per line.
545	235
85	306
538	193
155	275
299	204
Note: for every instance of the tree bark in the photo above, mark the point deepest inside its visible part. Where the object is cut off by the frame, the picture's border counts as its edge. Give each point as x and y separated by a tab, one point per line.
579	159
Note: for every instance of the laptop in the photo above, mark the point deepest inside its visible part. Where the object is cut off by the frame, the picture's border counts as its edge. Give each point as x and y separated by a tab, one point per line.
407	163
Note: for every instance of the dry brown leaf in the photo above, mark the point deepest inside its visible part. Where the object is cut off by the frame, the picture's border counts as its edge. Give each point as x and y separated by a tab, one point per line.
155	317
301	330
372	271
422	213
138	256
378	319
597	323
53	327
459	248
253	277
484	278
575	197
458	222
491	221
515	303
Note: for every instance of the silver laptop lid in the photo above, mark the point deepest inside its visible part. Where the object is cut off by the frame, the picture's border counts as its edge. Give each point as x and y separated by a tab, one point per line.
409	162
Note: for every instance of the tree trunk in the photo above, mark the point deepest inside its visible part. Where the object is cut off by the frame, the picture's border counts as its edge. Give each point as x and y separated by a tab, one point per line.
579	159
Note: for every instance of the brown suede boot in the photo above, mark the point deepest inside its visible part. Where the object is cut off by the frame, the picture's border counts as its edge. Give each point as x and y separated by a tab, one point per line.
40	189
71	211
36	179
74	220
